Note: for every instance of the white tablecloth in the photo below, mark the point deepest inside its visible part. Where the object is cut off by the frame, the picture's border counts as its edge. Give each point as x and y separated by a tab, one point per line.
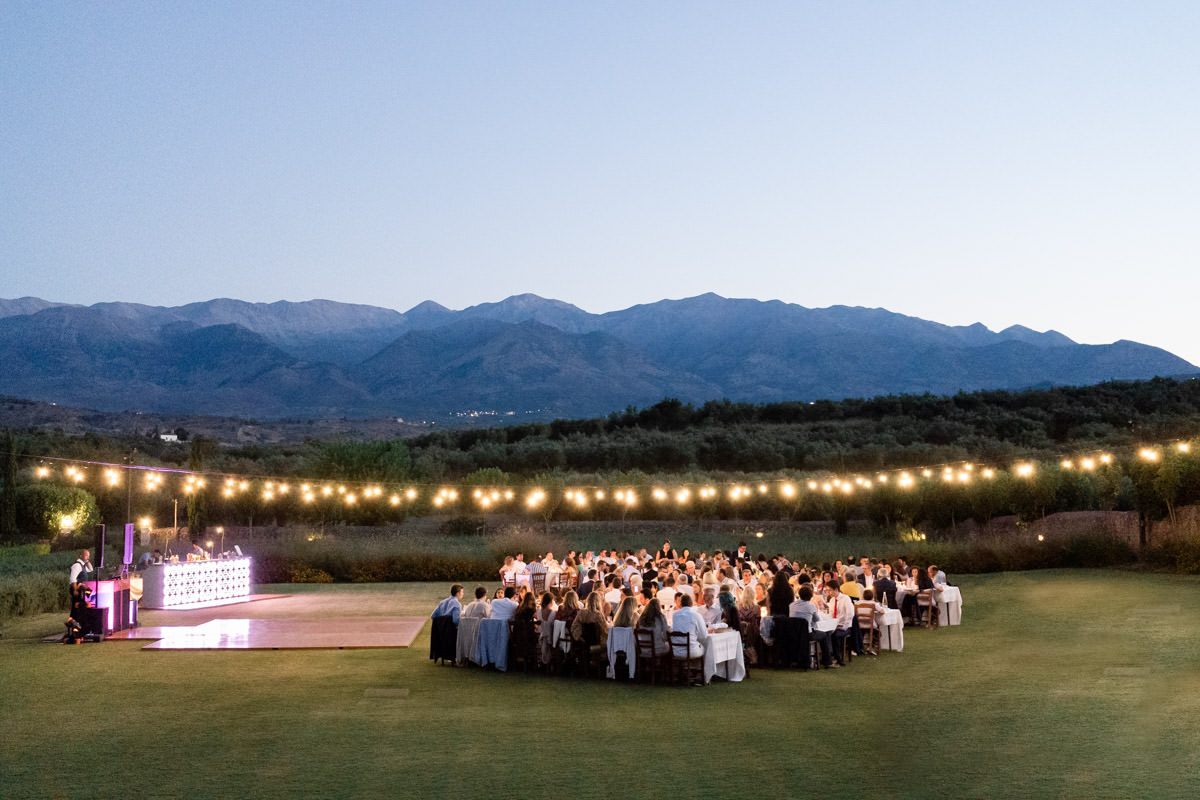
949	602
622	639
891	630
723	656
468	639
766	628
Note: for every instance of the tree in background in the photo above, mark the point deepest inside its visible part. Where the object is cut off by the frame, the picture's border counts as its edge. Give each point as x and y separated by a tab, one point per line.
201	452
47	509
8	488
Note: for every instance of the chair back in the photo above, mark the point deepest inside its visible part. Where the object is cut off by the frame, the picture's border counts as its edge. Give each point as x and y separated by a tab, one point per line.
681	643
591	634
508	579
537	583
645	644
925	598
865	612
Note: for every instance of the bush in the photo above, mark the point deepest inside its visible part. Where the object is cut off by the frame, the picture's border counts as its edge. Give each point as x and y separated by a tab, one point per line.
32	593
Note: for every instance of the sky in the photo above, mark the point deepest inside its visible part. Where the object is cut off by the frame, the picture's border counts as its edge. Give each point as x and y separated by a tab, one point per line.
1007	163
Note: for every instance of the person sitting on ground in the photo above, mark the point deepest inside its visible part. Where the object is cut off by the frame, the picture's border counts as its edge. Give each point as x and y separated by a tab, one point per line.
592	614
627	614
451	606
653	619
479	607
804	609
688	620
505	607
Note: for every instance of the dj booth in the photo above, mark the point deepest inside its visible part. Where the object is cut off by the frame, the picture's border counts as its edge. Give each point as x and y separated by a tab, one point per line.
112	608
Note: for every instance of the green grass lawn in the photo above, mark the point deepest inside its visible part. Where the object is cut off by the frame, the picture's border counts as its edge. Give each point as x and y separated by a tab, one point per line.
1058	684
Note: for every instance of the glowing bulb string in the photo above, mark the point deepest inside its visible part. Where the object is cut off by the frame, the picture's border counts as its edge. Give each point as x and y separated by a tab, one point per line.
660	491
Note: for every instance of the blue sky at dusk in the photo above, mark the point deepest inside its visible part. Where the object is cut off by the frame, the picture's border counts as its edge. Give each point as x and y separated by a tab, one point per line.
1019	162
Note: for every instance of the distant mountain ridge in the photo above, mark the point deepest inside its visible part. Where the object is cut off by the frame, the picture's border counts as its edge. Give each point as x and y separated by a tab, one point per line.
525	356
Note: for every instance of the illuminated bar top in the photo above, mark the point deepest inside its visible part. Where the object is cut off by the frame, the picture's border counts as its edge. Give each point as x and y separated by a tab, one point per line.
193	583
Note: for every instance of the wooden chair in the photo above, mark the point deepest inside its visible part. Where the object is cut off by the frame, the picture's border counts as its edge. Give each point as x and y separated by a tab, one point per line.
865	613
688	669
927	609
650	664
508	579
523	645
537	583
592	653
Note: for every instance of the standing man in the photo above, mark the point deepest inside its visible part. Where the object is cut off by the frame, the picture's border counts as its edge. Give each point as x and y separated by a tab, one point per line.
81	568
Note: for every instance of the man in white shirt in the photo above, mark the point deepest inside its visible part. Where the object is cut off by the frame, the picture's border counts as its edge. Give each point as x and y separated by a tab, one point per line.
612	595
519	565
629	571
666	595
841	608
687	620
803	608
710	611
505	607
81	568
479	607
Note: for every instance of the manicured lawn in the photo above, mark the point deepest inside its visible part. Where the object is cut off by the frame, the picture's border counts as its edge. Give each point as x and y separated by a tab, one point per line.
1058	684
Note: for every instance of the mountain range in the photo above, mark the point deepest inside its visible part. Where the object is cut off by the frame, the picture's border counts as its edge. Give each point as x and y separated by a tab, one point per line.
524	357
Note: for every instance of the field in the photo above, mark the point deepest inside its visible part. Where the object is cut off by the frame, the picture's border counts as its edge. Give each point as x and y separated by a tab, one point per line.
1058	684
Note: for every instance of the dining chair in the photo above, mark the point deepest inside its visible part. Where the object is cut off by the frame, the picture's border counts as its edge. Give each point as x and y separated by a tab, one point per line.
926	604
865	613
688	669
649	663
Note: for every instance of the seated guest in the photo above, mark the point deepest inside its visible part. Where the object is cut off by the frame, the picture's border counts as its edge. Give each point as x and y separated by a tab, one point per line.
612	595
688	620
627	614
666	595
781	596
545	616
841	608
592	614
585	588
505	607
652	618
451	606
519	565
710	611
479	607
507	570
804	609
937	577
852	589
569	608
683	585
884	587
526	609
729	610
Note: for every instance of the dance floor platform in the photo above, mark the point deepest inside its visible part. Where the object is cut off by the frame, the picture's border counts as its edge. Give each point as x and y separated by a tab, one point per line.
280	634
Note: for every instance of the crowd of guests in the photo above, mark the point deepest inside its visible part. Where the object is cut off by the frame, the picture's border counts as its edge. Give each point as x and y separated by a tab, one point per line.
668	591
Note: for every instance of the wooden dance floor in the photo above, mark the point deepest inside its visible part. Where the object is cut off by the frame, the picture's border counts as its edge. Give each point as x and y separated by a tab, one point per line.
280	634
